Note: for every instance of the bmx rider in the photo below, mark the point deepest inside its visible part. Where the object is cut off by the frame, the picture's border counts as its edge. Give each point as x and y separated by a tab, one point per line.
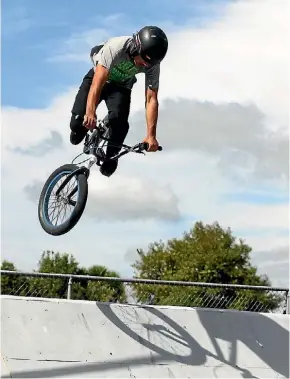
116	63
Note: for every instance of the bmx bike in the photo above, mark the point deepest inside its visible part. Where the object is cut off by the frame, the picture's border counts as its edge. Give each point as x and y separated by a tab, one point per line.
75	176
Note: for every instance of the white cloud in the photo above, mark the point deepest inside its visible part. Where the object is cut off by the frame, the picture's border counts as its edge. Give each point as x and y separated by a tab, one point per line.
123	198
267	217
240	58
220	130
275	262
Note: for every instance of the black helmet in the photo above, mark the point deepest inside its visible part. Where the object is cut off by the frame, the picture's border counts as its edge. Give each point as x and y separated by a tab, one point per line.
151	44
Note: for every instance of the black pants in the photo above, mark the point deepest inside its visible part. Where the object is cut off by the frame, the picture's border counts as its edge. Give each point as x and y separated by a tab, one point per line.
117	100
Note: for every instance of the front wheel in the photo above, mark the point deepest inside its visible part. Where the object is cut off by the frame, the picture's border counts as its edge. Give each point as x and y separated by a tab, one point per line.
65	207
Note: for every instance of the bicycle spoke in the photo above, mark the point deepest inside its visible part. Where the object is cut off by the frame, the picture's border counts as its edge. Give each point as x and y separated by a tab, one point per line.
59	206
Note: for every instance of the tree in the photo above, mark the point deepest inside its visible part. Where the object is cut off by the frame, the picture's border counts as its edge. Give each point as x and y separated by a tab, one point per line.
207	253
13	285
62	263
82	289
112	291
51	262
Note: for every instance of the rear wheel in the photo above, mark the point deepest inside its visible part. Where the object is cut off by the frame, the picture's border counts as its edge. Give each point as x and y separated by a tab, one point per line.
65	208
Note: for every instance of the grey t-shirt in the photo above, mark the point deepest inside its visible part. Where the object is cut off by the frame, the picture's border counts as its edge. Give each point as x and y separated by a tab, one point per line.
122	70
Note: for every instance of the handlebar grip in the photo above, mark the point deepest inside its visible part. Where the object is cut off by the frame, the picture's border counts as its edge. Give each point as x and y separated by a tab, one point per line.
145	146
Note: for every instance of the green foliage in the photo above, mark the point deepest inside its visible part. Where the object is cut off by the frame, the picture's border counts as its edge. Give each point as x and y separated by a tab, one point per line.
17	285
207	253
112	291
51	262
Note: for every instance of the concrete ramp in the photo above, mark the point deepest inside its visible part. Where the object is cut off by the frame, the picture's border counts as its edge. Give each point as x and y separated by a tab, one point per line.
48	338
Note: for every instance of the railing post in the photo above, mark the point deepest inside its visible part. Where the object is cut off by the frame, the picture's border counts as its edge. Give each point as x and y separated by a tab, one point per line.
69	288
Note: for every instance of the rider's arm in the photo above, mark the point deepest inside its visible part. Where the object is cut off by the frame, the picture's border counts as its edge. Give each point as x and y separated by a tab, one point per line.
99	79
151	95
104	60
151	111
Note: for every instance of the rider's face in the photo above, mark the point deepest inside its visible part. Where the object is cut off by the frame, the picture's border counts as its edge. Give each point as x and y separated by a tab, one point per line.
140	61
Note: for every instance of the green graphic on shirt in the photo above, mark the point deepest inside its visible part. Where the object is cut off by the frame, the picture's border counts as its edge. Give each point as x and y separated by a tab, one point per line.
123	71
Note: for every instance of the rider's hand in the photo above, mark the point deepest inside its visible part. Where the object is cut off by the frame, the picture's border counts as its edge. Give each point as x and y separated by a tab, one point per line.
90	121
152	142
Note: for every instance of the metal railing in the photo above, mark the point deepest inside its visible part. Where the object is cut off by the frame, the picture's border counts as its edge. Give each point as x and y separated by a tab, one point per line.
145	291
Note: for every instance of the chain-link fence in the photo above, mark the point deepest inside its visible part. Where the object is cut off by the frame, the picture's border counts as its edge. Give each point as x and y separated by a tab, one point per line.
145	291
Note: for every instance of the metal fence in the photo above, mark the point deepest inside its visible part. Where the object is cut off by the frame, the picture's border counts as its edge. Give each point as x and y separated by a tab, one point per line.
145	291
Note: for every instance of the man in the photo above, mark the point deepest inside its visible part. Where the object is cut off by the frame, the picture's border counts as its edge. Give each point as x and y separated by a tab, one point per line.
116	64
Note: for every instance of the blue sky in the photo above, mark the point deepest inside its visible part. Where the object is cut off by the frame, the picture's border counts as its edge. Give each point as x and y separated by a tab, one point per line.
34	31
267	197
45	54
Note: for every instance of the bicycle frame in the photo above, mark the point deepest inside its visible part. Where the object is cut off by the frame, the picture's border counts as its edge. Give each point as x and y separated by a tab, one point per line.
94	145
97	140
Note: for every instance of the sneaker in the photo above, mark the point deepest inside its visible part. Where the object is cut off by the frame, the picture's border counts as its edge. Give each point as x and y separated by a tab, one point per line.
77	138
78	131
109	167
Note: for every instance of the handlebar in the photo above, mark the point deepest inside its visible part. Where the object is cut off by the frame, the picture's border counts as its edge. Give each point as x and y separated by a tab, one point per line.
145	146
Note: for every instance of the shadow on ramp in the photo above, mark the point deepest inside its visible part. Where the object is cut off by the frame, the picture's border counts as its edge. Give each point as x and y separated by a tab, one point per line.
259	333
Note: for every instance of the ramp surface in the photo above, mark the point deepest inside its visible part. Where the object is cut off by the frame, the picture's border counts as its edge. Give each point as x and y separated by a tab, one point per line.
48	338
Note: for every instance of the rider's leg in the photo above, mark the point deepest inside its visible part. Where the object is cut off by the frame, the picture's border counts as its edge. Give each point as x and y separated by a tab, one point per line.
78	131
118	101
